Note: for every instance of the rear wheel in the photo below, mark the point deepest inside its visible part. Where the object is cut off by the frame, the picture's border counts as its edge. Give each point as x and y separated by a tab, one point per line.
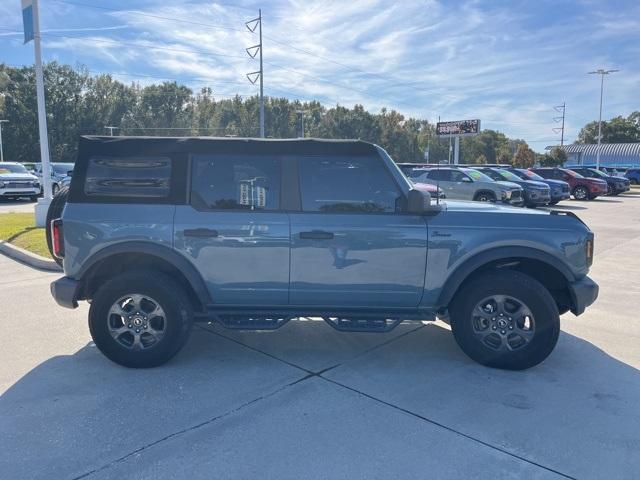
581	193
505	319
140	319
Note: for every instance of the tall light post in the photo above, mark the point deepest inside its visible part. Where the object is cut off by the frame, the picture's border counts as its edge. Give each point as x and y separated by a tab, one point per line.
602	73
1	152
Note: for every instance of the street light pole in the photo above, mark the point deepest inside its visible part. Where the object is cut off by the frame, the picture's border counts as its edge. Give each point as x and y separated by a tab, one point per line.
602	73
1	151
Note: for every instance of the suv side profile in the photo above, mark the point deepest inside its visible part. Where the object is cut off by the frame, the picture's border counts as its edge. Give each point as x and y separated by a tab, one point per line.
159	233
615	185
470	184
581	188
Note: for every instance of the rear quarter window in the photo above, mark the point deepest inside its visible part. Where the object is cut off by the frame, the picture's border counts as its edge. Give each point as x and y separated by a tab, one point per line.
130	177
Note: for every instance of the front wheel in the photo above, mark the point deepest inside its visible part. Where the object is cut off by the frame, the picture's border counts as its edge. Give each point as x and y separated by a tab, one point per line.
140	319
581	193
485	197
505	319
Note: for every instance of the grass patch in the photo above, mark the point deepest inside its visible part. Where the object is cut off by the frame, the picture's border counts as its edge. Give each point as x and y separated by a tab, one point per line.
20	230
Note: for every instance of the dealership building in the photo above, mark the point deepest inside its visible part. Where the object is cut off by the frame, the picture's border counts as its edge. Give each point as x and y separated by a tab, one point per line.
621	155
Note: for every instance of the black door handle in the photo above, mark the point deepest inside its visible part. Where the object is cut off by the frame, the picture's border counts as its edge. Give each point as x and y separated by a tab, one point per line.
316	235
201	232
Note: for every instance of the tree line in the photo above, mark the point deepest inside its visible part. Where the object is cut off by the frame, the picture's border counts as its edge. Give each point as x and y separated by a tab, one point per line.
79	103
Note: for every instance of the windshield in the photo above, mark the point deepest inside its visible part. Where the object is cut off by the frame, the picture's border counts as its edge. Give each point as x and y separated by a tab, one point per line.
506	175
573	174
529	175
62	168
597	172
5	168
478	176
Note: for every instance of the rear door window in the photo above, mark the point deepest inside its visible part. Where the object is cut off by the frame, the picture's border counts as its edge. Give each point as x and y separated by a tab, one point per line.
442	175
141	177
350	184
235	182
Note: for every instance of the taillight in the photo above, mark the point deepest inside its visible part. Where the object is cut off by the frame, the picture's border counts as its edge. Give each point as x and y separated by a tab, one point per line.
589	251
57	238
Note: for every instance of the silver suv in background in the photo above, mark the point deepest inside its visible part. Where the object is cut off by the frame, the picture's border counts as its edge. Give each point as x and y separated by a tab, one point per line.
16	182
469	184
59	175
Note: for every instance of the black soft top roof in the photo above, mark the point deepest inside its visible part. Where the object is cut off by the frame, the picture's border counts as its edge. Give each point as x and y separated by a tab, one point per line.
119	146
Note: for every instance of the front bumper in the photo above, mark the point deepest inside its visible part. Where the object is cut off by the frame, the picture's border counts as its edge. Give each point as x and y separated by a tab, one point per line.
537	197
557	197
65	292
583	293
19	192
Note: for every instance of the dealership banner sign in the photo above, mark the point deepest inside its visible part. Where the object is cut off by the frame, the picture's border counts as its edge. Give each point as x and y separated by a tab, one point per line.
458	128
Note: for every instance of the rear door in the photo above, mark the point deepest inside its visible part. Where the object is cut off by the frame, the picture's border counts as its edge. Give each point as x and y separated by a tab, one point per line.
352	244
442	177
234	230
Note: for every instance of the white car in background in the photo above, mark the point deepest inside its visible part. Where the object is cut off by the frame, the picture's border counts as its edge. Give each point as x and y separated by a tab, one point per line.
16	182
59	175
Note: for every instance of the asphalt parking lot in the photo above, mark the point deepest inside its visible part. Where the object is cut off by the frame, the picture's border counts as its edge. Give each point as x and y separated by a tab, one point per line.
309	402
22	205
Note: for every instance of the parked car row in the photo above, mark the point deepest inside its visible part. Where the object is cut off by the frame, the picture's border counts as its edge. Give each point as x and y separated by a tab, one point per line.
18	180
517	186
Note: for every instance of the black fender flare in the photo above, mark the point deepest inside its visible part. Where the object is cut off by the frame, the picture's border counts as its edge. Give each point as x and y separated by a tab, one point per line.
462	271
162	252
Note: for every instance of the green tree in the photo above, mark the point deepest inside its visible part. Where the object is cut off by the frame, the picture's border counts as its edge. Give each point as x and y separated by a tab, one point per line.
616	130
554	158
524	157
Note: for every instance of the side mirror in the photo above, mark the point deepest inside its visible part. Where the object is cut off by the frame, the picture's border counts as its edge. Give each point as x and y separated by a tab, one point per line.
419	201
466	180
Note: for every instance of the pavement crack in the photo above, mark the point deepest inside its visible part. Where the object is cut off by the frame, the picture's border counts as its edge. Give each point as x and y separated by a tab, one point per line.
193	427
256	350
450	429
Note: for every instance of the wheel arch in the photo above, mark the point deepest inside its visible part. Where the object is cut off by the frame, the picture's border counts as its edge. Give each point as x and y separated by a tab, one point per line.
112	260
542	266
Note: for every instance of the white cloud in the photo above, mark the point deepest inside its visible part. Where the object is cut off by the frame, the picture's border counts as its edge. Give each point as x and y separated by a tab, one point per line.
508	66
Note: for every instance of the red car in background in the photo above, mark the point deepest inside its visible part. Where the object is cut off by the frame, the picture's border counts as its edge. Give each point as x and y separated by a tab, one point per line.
581	188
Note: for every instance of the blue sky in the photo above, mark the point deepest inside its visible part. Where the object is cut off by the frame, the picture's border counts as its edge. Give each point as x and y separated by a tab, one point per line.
505	62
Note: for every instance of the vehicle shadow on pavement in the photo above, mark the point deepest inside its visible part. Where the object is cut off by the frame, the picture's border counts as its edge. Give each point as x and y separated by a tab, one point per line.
566	207
70	415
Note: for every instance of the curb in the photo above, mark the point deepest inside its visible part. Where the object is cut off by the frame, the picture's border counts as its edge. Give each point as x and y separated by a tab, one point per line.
28	258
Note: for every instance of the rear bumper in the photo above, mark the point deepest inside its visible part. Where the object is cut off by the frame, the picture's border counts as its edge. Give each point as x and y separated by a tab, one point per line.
583	293
65	292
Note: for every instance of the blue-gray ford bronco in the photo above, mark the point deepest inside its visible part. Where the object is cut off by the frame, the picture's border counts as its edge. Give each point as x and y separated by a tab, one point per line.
158	233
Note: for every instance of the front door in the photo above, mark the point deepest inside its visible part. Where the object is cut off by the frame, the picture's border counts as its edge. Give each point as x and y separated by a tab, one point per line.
234	231
352	245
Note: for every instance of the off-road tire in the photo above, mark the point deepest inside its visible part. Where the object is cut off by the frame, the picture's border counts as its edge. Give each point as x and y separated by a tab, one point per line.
168	294
55	211
519	286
